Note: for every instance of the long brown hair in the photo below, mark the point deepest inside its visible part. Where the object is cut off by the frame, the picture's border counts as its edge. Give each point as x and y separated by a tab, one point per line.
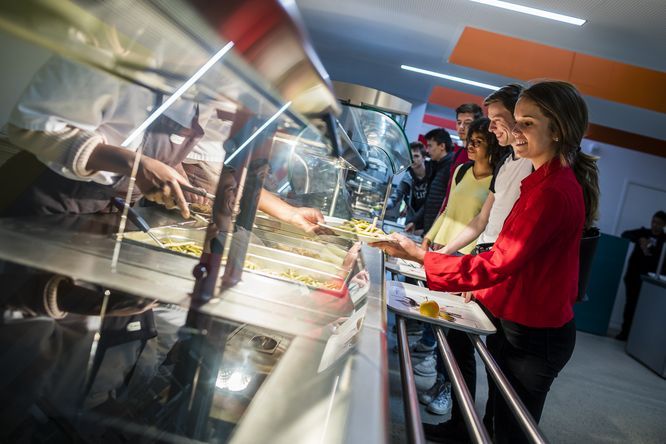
563	105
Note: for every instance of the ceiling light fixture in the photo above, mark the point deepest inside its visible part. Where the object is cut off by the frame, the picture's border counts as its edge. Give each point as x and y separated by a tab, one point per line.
532	11
448	77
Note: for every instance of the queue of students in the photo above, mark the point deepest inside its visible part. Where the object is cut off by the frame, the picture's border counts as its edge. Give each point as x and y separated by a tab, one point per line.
524	268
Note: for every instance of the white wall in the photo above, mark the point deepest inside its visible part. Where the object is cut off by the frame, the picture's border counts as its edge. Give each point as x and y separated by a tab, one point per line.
20	61
618	167
415	121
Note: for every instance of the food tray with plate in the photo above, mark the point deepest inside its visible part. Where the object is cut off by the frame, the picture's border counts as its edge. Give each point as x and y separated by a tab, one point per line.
346	228
406	268
404	299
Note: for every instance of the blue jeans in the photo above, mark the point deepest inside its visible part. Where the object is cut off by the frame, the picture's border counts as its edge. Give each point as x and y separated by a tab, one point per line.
428	339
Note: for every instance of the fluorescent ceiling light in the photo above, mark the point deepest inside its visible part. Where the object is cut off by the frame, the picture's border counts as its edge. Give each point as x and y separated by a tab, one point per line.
258	131
532	11
448	77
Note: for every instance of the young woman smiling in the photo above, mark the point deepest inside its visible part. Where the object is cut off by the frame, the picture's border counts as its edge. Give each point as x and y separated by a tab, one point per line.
529	280
469	192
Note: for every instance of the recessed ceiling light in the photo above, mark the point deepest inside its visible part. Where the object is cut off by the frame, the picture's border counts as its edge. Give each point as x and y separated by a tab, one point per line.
532	11
448	77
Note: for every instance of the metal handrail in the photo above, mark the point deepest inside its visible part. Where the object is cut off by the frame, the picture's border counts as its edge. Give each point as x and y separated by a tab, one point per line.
477	430
525	419
412	410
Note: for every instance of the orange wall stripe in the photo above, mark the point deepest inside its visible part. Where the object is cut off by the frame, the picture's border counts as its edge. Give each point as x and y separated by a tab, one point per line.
451	98
594	76
440	122
625	139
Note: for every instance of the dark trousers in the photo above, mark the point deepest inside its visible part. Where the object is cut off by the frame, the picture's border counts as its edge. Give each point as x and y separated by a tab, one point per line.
463	351
632	285
531	359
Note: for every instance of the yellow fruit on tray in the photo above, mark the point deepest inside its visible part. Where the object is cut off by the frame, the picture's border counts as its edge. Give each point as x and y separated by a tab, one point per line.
429	308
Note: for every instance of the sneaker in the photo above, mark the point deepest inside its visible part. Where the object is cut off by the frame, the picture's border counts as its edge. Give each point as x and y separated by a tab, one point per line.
429	395
427	367
420	350
441	405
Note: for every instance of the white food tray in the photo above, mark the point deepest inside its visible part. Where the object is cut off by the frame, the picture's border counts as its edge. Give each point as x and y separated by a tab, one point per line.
466	317
406	268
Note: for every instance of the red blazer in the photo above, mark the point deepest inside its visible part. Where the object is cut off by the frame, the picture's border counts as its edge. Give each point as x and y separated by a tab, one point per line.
531	275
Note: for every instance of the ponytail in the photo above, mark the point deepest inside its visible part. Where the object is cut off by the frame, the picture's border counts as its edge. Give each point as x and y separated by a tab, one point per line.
585	169
563	105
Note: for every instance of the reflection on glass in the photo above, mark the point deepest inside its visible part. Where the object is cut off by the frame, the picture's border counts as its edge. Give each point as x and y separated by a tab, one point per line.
234	380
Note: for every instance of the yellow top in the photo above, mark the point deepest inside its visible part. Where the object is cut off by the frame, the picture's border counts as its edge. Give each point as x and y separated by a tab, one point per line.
465	202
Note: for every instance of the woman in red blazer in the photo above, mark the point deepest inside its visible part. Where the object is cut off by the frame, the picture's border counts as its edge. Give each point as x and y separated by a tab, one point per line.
529	280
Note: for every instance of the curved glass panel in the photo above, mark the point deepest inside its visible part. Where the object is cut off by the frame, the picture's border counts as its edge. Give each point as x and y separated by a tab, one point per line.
381	143
375	130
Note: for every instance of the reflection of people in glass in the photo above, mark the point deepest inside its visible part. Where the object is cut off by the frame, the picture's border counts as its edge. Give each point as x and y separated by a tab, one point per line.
70	160
69	126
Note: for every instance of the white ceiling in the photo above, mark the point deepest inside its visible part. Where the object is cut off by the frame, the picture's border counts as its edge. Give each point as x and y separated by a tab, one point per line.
366	41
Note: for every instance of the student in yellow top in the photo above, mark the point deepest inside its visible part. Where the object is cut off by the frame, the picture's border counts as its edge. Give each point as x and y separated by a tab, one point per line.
469	187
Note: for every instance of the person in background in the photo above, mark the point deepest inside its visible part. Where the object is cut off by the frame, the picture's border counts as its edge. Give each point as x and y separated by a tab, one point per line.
465	115
505	185
527	285
470	186
469	191
413	185
68	136
504	191
644	259
440	147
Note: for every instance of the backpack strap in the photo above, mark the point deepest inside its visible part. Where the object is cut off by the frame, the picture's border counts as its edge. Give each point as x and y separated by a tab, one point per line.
462	170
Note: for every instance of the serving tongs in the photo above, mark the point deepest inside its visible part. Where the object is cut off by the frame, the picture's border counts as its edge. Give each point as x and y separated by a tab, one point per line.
136	219
197	191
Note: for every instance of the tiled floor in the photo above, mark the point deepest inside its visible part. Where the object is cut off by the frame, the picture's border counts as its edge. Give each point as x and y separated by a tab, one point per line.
602	396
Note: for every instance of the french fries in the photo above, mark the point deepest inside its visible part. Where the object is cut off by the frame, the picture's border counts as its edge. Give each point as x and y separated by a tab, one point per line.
307	280
360	226
192	249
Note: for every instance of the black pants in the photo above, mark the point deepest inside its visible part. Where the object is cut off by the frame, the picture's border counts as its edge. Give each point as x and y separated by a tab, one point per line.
632	285
463	351
531	359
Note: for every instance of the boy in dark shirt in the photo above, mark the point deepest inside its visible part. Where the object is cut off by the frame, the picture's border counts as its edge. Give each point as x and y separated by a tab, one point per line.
414	184
441	153
644	259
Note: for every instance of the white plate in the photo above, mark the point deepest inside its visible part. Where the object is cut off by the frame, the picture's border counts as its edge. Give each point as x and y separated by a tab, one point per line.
466	317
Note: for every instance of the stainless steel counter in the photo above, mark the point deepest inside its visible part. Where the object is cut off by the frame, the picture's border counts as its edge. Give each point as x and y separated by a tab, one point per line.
331	383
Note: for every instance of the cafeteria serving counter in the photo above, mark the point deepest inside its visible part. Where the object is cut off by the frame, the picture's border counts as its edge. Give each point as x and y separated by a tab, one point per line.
268	361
